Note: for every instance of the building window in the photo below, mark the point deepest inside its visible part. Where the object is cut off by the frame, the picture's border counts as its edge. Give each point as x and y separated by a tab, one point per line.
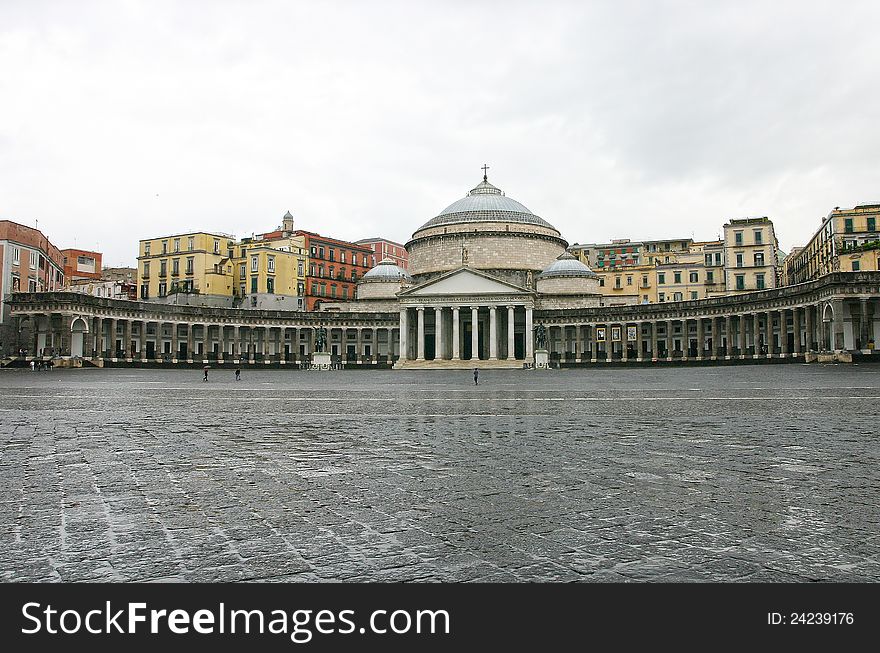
270	285
738	238
708	260
299	268
740	282
676	297
176	245
629	281
175	267
333	290
759	281
739	260
191	243
216	245
332	253
243	252
146	269
661	296
190	262
342	257
145	291
617	282
717	258
320	252
694	277
312	269
241	288
242	271
270	263
855	266
759	237
694	294
163	289
33	260
848	225
661	278
254	281
255	265
601	282
16	284
146	249
872	224
759	259
354	275
710	276
677	277
164	246
332	272
163	267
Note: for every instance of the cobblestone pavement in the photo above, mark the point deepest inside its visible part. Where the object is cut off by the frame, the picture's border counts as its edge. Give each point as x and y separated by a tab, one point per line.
752	473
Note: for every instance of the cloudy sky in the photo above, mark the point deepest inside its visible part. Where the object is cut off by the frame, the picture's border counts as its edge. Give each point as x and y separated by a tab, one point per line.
125	120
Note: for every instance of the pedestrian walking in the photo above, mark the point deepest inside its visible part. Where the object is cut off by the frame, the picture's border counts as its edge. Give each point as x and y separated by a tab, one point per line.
33	366
206	373
238	374
476	376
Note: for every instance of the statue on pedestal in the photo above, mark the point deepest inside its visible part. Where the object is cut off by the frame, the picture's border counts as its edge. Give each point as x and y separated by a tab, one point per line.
320	339
541	336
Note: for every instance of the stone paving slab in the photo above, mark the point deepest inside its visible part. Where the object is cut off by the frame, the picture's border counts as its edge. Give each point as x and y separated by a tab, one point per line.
734	474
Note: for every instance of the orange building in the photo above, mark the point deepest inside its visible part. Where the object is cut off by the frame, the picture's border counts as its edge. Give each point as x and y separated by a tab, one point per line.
81	264
335	267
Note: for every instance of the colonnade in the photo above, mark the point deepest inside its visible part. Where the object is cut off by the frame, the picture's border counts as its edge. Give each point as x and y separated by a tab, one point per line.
467	332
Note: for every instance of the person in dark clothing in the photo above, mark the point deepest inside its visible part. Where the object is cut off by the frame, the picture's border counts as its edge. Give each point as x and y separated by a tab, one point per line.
206	373
237	374
476	376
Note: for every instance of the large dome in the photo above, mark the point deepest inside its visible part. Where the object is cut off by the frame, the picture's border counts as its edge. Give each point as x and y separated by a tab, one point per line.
485	203
386	270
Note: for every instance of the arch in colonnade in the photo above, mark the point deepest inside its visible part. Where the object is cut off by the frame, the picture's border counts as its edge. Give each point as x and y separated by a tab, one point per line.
78	328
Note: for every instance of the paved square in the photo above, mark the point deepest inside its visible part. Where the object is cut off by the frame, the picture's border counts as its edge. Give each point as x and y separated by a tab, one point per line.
748	473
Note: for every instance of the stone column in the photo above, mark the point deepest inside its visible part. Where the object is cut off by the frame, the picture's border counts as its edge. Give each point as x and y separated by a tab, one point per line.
190	341
820	328
796	325
653	340
252	345
126	339
701	339
114	323
863	324
669	341
456	337
624	342
838	343
420	342
808	328
475	332
174	344
728	334
510	325
439	345
769	336
236	341
278	345
493	334
143	340
404	326
529	336
639	346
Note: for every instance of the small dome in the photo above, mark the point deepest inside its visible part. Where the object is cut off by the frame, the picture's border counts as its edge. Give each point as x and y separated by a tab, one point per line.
386	270
485	203
567	266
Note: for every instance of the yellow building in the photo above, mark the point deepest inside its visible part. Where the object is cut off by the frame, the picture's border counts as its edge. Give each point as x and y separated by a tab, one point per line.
681	281
271	271
847	240
750	255
189	263
631	285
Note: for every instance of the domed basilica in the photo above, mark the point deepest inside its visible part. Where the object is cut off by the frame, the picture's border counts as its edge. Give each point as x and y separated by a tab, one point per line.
478	271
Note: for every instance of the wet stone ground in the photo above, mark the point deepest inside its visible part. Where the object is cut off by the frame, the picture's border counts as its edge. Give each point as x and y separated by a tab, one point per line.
753	473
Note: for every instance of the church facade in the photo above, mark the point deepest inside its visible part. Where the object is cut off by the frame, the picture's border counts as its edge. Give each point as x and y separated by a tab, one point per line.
489	283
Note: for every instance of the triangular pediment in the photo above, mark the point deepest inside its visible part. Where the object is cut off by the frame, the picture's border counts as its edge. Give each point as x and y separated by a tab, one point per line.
464	281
